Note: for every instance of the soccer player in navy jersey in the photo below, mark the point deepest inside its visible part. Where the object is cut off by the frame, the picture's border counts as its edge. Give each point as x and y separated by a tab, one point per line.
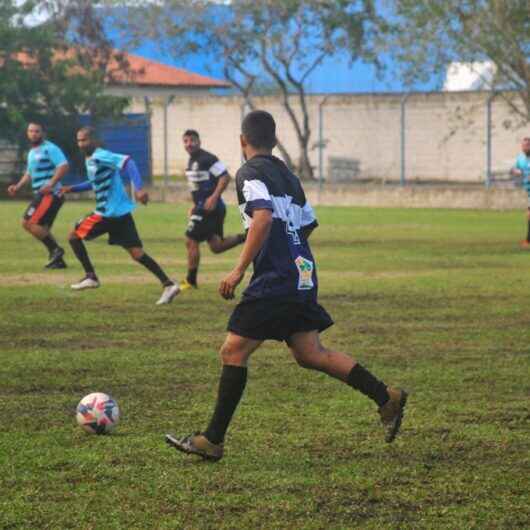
112	215
45	168
207	179
280	302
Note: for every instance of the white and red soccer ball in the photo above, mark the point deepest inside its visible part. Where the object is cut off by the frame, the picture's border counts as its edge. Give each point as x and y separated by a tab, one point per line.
98	413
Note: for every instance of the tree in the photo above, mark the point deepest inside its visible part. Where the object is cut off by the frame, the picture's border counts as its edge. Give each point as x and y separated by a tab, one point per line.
269	43
433	33
54	70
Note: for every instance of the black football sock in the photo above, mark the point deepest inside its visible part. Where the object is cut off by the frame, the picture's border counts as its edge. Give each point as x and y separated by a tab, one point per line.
150	264
361	379
231	387
528	234
191	278
82	255
49	243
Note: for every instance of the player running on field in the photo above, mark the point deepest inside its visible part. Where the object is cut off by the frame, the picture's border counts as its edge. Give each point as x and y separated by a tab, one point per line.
207	179
112	215
46	166
280	302
522	170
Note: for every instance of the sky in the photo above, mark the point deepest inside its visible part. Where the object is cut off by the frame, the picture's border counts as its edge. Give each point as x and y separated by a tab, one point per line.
334	75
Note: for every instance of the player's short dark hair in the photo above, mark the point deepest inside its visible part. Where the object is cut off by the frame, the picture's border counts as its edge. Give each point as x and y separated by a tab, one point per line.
259	129
90	131
191	132
38	124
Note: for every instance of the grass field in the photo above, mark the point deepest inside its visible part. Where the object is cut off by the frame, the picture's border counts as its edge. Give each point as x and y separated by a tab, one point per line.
435	301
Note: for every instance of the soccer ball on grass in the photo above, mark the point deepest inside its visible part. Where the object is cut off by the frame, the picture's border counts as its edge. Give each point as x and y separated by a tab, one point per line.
98	413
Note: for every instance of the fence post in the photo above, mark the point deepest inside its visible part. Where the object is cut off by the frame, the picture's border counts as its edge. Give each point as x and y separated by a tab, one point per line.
321	146
489	105
167	102
403	102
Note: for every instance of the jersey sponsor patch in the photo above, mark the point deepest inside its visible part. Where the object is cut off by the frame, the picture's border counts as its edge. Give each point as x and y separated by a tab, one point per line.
305	273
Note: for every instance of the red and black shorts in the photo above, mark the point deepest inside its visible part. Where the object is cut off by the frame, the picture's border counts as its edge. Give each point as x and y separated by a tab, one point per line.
43	209
121	230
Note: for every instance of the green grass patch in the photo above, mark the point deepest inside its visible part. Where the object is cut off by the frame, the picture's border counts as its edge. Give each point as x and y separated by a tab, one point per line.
436	301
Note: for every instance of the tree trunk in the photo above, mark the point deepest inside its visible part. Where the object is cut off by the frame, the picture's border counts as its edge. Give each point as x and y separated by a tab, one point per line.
305	169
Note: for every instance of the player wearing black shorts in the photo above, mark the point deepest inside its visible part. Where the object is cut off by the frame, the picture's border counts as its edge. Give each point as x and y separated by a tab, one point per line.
207	179
280	302
106	172
45	168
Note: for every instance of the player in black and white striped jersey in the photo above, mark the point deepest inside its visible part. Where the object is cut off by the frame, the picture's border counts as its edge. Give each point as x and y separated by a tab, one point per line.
207	179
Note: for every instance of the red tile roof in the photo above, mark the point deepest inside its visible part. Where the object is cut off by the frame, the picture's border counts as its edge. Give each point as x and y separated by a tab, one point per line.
144	72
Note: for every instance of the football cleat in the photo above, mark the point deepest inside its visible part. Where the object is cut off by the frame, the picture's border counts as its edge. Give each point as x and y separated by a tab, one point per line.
86	283
196	444
524	244
168	294
58	264
185	285
392	411
56	255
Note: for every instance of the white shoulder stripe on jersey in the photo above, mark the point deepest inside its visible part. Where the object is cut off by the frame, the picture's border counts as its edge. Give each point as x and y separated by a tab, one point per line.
254	190
218	169
284	209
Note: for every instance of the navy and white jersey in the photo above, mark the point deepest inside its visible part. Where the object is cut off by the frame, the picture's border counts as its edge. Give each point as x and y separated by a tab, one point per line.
284	267
203	172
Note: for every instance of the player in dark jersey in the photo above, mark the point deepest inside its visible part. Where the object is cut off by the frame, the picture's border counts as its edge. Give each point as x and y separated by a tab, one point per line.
207	179
45	168
280	301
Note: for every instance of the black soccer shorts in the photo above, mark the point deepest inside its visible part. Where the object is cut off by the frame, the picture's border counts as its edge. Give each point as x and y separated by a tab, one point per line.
202	226
277	318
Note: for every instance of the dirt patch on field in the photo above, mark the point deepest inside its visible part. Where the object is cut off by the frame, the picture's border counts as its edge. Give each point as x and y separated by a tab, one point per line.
63	280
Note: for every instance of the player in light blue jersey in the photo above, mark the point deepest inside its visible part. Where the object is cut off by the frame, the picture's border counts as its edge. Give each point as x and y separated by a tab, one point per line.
112	216
522	170
46	166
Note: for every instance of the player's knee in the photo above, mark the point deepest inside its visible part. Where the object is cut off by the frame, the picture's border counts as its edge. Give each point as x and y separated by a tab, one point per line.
311	360
231	355
136	253
72	236
26	224
215	247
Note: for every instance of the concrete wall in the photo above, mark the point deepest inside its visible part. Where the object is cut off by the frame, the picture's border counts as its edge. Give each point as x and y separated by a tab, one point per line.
445	133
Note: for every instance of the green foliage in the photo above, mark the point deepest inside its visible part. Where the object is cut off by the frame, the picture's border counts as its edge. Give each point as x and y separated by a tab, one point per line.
272	44
59	78
429	34
434	300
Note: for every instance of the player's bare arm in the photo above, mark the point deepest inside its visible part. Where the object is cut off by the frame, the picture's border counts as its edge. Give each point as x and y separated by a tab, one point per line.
59	174
211	202
257	235
12	190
